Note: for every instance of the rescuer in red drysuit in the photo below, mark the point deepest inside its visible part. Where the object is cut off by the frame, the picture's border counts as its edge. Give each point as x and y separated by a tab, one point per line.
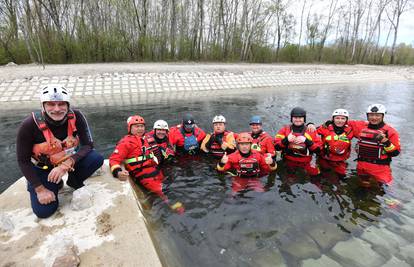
248	164
377	143
158	141
187	136
221	140
298	143
336	143
133	151
262	141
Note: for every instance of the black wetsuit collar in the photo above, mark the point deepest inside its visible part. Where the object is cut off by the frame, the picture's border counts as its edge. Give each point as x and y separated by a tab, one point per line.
338	130
256	135
245	155
376	126
158	140
298	129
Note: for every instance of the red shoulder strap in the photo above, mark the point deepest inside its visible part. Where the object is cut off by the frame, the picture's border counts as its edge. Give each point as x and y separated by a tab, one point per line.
41	124
71	123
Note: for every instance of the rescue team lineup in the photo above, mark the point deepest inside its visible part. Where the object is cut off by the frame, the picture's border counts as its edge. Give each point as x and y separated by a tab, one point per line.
57	140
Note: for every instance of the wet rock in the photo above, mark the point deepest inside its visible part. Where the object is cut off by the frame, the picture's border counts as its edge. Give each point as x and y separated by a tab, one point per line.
299	245
322	261
407	254
6	225
98	172
69	259
267	257
408	209
11	64
326	235
383	241
396	262
357	252
82	199
405	230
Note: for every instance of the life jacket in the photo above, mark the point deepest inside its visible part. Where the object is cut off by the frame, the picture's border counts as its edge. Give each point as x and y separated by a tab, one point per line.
249	168
160	150
257	141
215	144
153	147
369	148
54	151
298	150
337	145
144	165
191	144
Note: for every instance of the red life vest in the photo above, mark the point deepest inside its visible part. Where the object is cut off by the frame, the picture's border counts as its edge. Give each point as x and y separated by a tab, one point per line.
54	151
160	150
215	145
297	150
248	168
369	148
144	165
337	147
153	146
256	143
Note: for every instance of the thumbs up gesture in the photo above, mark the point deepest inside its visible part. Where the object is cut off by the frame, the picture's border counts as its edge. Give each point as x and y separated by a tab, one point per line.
224	145
291	138
268	159
225	158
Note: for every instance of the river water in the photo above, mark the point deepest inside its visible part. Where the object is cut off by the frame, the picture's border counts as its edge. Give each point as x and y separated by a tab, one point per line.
293	222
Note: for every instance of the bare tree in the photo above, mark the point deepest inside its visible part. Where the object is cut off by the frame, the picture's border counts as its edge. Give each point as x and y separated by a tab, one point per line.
398	7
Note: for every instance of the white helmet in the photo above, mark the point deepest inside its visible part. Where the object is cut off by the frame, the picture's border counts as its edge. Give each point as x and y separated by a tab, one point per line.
219	118
160	124
340	112
377	108
54	92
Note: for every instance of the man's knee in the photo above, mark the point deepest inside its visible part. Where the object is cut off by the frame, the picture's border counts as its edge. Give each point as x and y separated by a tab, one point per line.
94	160
45	211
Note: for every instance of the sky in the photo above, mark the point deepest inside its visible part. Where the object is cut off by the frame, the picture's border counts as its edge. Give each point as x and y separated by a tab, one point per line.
405	32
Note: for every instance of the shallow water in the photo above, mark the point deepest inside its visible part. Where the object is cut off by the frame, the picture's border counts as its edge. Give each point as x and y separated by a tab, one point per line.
293	220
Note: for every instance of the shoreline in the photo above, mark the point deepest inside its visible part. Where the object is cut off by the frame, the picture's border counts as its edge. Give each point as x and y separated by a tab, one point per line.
90	83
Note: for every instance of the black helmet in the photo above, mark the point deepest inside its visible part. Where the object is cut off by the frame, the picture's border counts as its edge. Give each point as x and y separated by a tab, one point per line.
297	112
188	119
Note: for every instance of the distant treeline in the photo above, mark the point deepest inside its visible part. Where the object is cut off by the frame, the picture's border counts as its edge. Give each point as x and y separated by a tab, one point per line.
86	31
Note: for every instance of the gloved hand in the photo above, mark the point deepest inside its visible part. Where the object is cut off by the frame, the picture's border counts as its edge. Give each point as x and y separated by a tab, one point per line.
178	207
268	159
327	123
224	159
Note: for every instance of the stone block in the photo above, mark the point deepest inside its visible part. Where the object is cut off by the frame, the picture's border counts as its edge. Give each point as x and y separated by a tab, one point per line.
322	261
357	252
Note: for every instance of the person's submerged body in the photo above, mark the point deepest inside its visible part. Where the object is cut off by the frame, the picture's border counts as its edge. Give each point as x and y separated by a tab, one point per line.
378	143
135	153
248	165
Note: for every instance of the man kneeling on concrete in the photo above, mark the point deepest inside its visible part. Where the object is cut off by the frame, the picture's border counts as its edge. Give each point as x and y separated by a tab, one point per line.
51	143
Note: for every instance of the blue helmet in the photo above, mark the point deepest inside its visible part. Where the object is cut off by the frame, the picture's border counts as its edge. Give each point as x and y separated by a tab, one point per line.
255	120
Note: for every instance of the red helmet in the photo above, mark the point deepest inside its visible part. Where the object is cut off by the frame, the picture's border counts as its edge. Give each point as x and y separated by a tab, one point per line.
244	138
134	120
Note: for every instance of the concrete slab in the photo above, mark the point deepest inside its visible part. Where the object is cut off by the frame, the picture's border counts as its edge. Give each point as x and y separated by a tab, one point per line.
112	232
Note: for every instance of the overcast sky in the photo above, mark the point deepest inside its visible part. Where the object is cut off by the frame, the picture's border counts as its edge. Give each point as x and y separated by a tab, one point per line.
405	32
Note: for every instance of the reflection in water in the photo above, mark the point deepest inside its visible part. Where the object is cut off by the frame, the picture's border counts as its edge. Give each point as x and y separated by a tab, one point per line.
295	218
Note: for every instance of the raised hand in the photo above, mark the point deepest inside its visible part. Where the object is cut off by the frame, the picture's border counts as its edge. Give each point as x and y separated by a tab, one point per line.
225	158
300	139
269	159
291	138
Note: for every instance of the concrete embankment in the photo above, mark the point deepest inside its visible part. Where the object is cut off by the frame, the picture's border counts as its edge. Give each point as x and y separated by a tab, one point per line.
100	224
102	83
